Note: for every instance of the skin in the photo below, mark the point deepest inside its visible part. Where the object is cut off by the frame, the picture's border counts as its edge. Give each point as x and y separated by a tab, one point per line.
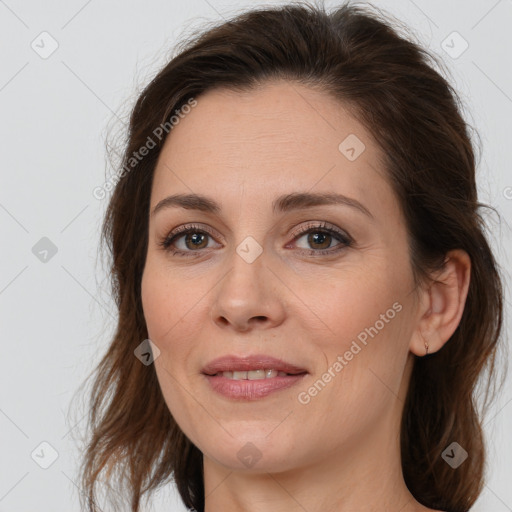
339	452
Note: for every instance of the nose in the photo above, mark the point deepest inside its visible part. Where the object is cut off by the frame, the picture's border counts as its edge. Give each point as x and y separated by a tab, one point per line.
249	296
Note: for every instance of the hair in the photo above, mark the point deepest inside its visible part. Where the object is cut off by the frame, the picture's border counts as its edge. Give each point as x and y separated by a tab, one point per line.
390	84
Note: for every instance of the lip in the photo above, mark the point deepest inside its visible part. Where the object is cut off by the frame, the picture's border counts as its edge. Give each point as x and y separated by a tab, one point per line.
232	363
251	389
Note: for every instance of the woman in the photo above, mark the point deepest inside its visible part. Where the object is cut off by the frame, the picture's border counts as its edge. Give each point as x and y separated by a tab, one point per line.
306	295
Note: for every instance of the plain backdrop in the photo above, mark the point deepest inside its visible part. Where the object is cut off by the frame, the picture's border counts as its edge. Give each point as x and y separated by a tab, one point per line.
69	73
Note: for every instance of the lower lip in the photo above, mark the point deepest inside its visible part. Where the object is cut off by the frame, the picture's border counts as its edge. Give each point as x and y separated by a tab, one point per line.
251	389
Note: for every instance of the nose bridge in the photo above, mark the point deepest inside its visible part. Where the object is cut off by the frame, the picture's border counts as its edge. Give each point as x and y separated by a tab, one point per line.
244	292
249	237
246	271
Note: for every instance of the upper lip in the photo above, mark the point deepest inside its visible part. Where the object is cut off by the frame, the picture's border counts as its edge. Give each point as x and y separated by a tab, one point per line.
254	362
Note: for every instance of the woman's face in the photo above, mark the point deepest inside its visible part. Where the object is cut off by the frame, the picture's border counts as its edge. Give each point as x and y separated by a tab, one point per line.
323	286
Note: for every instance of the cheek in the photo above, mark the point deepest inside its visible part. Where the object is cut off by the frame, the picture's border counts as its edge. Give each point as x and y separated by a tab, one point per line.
175	312
168	315
366	329
165	302
353	300
155	303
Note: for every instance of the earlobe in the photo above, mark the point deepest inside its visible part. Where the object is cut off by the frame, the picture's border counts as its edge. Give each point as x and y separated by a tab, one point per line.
443	304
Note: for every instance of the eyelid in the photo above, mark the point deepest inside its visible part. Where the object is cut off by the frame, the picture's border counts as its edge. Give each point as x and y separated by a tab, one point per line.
193	226
322	226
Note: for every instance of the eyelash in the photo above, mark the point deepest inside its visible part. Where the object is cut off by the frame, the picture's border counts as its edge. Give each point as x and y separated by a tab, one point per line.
325	228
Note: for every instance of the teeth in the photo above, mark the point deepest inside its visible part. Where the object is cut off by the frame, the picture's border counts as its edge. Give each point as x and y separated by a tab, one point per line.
256	374
253	374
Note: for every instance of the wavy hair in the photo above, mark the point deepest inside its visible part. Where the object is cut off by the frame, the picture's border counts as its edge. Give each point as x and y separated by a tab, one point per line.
390	84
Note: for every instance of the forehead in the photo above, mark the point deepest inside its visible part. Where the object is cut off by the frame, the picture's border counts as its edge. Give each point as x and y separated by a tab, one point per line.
252	119
279	137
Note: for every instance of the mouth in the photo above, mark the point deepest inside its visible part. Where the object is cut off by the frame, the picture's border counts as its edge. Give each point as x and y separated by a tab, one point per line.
252	377
252	367
269	373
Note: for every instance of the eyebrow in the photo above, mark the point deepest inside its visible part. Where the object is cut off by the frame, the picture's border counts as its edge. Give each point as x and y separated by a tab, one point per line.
283	204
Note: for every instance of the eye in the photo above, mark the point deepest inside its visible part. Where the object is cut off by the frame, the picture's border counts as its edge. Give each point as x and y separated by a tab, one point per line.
187	240
320	239
190	240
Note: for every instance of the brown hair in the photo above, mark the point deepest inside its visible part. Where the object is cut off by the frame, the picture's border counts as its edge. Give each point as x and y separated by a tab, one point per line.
390	84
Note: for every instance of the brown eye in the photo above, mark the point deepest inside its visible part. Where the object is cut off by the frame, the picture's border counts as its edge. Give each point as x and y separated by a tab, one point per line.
196	240
187	240
321	240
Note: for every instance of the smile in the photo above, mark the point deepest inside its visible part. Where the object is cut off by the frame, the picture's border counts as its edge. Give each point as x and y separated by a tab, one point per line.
252	374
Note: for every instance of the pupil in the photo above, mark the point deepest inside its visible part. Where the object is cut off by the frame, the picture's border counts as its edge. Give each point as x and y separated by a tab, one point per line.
319	238
196	239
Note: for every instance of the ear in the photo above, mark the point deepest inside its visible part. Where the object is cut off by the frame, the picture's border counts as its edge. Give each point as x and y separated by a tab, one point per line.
442	304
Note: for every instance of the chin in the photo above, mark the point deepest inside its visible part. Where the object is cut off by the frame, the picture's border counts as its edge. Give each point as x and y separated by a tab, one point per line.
251	450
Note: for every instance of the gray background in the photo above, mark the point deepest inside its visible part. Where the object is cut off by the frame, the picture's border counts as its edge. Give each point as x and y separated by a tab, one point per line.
56	110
